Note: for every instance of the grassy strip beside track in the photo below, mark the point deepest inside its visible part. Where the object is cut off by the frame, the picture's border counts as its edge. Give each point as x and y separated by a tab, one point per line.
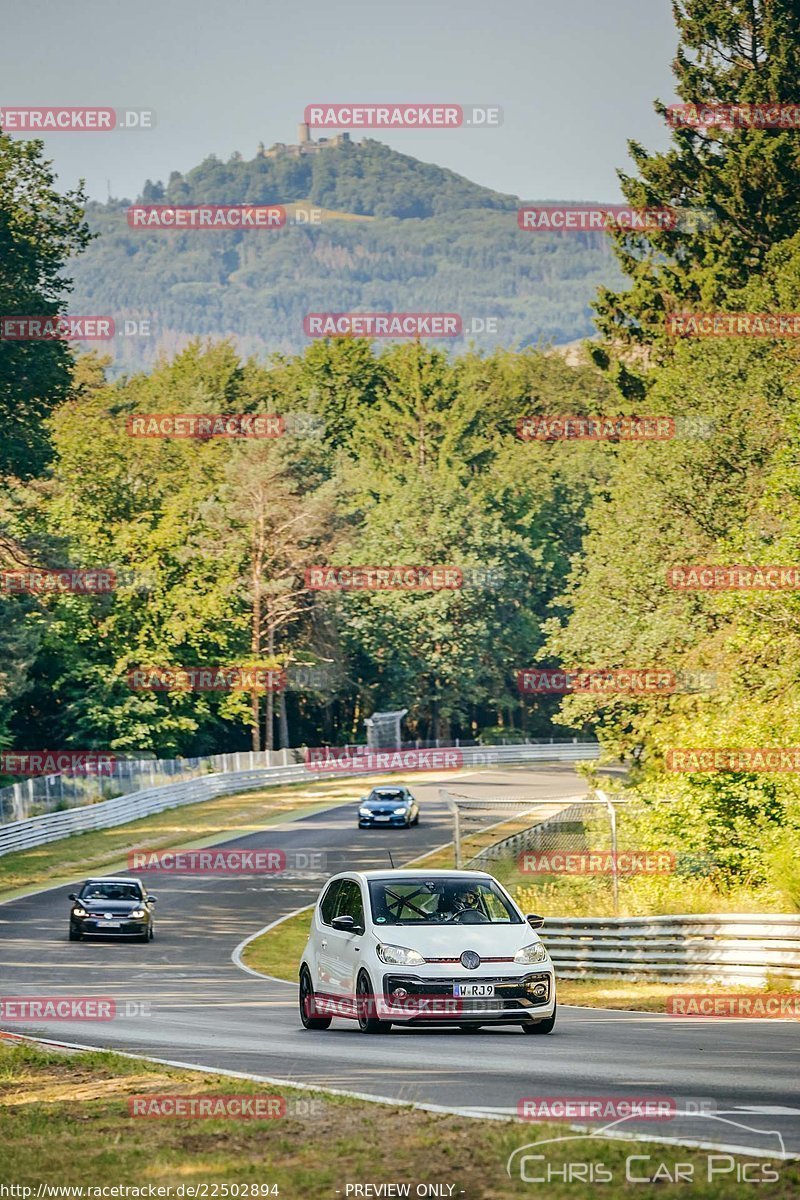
189	826
278	951
78	1102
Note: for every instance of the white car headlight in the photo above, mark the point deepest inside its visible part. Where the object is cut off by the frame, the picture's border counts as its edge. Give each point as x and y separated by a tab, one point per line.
138	912
364	812
534	953
398	812
400	956
79	912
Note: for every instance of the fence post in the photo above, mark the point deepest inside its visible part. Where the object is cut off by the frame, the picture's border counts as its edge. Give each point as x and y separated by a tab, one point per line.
17	803
612	817
457	836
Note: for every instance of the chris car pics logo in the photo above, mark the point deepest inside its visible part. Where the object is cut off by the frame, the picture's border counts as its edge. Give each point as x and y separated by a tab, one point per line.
581	1157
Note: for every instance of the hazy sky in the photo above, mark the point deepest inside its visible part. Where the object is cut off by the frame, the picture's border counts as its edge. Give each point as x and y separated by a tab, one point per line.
576	79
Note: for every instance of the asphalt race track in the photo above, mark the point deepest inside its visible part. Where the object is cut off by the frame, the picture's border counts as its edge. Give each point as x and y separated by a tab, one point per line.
183	999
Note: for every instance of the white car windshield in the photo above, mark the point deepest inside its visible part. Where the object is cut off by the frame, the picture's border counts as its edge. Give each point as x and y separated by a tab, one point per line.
440	901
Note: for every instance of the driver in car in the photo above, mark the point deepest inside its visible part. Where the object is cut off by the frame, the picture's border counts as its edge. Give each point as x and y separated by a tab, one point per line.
463	900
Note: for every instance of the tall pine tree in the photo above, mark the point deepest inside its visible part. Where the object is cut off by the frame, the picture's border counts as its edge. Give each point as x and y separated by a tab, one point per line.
738	190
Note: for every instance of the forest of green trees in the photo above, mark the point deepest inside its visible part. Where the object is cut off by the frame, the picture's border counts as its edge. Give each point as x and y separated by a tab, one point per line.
407	455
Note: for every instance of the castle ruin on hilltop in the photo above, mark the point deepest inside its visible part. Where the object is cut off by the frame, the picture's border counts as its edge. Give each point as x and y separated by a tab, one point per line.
306	144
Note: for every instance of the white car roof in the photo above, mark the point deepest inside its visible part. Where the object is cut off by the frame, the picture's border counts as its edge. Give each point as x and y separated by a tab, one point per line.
423	872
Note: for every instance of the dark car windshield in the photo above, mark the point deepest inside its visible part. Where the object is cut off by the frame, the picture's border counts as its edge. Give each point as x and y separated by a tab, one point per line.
438	901
111	891
381	797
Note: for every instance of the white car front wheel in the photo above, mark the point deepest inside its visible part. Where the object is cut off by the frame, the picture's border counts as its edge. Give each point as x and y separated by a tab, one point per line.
366	1007
545	1026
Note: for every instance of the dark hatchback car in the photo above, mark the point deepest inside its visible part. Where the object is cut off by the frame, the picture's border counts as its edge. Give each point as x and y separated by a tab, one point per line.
111	908
388	805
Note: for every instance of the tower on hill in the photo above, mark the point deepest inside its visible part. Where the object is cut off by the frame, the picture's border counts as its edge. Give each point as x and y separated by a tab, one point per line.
305	144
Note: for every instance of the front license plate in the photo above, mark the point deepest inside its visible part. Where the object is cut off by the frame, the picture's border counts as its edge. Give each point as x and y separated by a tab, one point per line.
382	818
109	924
477	991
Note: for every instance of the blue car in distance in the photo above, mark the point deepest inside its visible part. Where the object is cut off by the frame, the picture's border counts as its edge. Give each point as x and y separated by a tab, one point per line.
391	804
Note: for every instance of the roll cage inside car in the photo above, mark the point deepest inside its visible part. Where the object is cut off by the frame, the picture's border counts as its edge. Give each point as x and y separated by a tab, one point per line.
391	904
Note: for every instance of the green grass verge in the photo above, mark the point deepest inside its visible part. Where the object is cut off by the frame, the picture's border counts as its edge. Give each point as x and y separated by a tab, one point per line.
188	826
278	951
641	996
64	1122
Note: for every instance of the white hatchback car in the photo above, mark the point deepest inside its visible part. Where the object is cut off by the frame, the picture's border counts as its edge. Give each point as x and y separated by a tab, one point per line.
423	947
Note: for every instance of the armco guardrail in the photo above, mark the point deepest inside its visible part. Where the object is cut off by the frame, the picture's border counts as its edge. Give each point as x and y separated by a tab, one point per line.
121	776
37	831
713	948
41	794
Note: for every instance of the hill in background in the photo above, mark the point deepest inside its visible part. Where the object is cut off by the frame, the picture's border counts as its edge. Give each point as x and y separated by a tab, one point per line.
395	234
